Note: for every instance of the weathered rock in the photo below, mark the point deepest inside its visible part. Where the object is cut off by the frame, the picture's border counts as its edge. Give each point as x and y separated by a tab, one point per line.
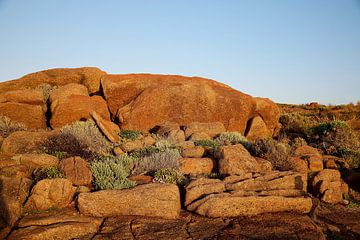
271	181
327	184
269	113
264	165
167	127
33	161
66	91
196	166
199	136
31	116
193	152
131	145
143	101
64	224
176	136
235	159
158	200
26	96
312	156
298	164
227	205
88	76
76	108
76	170
118	151
148	140
212	129
141	179
257	129
13	193
50	193
16	171
202	186
25	141
109	129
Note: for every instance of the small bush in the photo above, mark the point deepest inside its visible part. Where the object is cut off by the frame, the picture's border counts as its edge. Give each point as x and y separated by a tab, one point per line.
167	159
295	124
275	152
169	176
160	146
130	134
7	126
337	138
231	138
207	144
82	139
47	173
110	174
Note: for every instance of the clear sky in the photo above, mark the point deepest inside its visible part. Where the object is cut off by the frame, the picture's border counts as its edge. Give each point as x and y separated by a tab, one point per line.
290	51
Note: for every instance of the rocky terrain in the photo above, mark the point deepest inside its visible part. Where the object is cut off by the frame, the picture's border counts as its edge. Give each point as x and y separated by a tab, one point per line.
91	155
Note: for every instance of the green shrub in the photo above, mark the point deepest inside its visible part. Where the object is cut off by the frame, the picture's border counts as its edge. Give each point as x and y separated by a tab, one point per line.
275	152
160	146
337	138
169	176
130	134
231	138
109	174
167	159
295	124
207	144
7	126
59	154
47	173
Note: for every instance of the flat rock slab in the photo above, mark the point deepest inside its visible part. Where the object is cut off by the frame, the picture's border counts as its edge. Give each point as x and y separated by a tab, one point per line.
155	199
189	226
56	225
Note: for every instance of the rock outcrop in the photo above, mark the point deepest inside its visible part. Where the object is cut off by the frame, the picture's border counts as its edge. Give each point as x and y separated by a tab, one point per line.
76	170
143	101
157	200
248	195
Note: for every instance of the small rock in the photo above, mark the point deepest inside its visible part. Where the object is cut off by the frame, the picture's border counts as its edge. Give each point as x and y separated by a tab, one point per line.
258	129
298	164
33	161
108	128
193	152
141	179
211	129
118	151
199	136
76	170
264	165
130	146
196	166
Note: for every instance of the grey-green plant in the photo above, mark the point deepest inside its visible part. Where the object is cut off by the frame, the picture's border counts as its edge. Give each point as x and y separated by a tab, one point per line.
130	134
208	143
48	172
231	138
166	159
109	174
169	176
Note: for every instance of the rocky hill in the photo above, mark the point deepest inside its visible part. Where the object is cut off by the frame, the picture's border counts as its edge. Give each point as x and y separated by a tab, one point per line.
91	155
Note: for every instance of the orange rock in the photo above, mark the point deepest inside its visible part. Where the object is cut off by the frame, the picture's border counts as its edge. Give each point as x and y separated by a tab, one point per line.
235	159
298	164
27	96
76	170
33	161
88	76
67	90
257	129
76	108
109	129
141	179
193	152
211	129
269	113
31	116
312	156
195	166
154	199
202	186
264	165
143	101
50	193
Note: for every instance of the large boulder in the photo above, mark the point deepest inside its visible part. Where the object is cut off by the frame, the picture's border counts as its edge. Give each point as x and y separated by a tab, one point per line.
76	108
50	193
25	107
143	101
328	186
312	156
88	76
157	200
236	160
196	166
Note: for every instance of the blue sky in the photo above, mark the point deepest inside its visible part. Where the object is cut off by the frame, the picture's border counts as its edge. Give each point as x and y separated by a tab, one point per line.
289	51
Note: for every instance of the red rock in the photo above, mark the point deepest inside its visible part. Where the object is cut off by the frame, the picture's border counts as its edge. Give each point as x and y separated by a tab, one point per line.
26	96
269	113
298	164
143	101
258	129
196	166
76	108
76	170
108	128
88	76
212	129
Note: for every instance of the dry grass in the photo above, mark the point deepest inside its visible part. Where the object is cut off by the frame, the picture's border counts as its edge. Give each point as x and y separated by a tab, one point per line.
7	126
